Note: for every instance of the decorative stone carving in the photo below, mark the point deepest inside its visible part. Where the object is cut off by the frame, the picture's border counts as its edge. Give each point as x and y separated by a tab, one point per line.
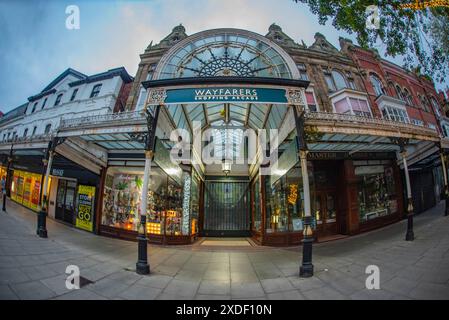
157	96
295	96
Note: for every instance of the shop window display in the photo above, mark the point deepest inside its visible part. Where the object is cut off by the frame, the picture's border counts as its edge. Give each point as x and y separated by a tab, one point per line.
167	210
25	188
257	209
195	203
376	190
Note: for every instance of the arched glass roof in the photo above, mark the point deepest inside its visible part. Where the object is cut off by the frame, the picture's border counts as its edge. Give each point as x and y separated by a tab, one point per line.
226	52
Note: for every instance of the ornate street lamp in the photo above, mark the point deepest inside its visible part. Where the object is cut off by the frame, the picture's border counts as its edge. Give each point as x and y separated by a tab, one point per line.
226	166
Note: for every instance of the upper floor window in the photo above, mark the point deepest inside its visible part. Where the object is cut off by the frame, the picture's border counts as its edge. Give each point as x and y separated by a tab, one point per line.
74	94
34	131
377	85
47	128
355	106
311	102
436	106
302	71
34	107
95	91
58	99
335	80
424	103
351	82
395	114
432	126
417	122
43	104
408	97
25	132
399	92
444	126
151	70
141	99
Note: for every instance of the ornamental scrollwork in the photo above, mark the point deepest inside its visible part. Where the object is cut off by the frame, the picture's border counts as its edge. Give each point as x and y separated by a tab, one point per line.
157	96
295	96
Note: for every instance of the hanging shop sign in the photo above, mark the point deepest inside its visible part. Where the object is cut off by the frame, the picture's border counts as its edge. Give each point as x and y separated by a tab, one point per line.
85	212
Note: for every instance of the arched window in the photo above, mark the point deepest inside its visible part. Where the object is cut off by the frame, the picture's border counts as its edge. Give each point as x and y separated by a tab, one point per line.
424	103
399	92
436	106
25	132
340	82
95	91
408	97
377	85
47	128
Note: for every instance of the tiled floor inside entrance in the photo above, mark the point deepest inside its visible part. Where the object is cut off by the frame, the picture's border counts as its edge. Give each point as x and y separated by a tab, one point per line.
226	242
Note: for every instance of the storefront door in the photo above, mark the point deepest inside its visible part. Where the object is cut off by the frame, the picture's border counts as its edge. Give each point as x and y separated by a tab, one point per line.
65	201
326	211
227	210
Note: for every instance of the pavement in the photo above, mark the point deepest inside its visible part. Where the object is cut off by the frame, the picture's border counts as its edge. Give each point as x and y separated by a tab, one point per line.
34	268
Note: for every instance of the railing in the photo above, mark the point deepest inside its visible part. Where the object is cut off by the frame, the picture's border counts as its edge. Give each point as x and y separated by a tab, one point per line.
338	117
101	119
29	139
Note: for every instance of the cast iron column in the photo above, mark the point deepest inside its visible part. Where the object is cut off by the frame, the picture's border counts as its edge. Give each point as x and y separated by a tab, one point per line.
306	268
409	236
446	188
42	215
142	266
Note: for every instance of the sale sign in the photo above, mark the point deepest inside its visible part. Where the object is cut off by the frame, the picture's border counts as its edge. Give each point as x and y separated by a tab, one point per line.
85	209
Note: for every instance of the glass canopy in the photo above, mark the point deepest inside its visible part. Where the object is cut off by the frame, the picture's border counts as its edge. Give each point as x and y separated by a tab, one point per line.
224	52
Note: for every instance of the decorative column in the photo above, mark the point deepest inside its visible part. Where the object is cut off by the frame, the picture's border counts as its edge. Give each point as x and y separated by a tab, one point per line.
446	187
42	215
148	138
306	268
409	236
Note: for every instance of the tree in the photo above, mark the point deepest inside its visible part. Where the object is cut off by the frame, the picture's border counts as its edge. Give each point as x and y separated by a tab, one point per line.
416	30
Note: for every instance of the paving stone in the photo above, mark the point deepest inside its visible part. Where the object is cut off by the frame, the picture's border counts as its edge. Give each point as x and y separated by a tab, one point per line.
182	288
324	293
57	284
430	291
138	292
215	287
81	294
305	284
7	294
12	275
246	290
155	281
286	295
34	290
276	285
399	285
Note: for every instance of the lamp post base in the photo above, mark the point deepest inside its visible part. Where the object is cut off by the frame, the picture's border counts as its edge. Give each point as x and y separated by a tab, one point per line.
4	202
42	224
142	266
410	235
306	268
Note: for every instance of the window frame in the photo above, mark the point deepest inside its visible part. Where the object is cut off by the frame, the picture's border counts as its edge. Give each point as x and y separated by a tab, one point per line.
95	90
379	81
58	99
74	93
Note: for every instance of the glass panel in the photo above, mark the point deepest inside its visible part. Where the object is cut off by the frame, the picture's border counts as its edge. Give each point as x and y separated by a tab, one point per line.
342	106
339	80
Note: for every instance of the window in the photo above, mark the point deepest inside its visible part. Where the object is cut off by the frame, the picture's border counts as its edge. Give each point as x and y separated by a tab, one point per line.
151	70
351	105
408	97
34	107
432	126
34	131
444	126
25	132
335	80
395	114
45	101
142	98
47	128
436	107
95	91
74	94
58	99
302	71
339	80
399	93
424	103
311	103
417	122
377	85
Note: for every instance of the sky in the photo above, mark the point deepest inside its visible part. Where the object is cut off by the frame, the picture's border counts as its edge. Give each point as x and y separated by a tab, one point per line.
36	46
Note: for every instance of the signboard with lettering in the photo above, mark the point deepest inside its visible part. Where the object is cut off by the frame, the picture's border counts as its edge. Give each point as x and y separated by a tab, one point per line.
85	212
226	94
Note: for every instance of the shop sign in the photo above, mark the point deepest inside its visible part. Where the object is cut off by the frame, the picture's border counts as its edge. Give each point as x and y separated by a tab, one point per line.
58	172
85	212
226	94
363	170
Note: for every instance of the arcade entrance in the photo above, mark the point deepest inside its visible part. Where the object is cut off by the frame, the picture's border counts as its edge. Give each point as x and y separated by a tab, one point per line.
226	209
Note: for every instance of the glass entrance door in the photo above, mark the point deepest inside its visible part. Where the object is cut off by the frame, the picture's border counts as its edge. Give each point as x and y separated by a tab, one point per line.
326	212
65	201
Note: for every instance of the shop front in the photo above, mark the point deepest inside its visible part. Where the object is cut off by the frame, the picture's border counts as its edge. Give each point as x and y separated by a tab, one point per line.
73	193
172	207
